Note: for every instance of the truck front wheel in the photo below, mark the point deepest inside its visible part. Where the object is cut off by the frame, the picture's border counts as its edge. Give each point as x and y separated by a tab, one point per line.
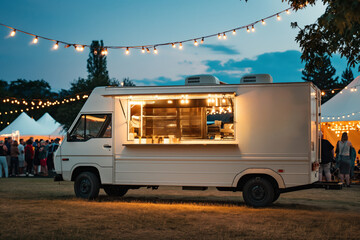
87	185
115	191
258	192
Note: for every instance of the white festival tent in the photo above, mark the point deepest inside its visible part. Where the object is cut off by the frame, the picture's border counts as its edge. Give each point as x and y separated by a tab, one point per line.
24	126
48	123
342	114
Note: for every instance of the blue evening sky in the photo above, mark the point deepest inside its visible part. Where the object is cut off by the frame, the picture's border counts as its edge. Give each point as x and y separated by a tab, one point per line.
270	49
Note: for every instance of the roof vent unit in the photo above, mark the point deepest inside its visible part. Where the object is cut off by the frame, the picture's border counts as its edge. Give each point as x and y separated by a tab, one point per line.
202	80
256	78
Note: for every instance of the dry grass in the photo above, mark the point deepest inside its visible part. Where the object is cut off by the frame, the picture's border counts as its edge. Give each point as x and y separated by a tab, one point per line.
42	209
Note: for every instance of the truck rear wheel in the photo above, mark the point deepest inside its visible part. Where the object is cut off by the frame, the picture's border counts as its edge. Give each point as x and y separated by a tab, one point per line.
258	192
115	191
87	185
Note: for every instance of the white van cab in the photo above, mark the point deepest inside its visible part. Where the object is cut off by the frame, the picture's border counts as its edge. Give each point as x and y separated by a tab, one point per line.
258	138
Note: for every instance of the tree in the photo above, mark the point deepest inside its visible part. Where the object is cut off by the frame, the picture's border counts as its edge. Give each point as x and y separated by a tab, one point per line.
97	66
322	76
29	89
337	30
128	83
346	77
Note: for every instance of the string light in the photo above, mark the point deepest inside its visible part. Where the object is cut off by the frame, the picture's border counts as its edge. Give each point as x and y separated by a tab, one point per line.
35	40
142	50
180	46
127	52
173	45
278	17
196	43
80	47
12	33
104	52
147	50
56	46
38	102
155	50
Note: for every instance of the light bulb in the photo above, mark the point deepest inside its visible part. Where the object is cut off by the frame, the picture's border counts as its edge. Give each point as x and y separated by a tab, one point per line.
180	46
56	46
155	50
287	11
202	40
219	36
13	32
234	32
127	52
79	48
263	22
247	29
278	17
196	43
224	36
147	50
104	52
142	50
252	28
173	45
35	40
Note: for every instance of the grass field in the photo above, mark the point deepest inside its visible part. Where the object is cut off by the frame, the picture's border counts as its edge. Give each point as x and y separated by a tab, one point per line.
43	209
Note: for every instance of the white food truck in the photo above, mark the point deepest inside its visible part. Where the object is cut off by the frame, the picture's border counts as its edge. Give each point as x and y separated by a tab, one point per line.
257	137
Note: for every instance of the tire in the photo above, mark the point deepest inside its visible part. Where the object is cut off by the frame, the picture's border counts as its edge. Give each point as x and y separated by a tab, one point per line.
115	191
87	185
258	192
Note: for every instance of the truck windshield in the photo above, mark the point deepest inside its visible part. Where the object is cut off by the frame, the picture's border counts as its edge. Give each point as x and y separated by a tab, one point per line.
91	126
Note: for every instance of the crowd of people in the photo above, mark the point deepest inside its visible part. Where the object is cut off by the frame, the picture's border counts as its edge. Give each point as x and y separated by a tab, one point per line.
30	158
343	163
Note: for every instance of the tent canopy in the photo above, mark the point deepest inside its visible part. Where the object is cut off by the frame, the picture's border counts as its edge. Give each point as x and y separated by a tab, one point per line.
25	125
47	122
344	106
342	114
46	126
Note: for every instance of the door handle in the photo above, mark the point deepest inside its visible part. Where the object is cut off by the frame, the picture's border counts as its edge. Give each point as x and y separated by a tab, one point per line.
107	146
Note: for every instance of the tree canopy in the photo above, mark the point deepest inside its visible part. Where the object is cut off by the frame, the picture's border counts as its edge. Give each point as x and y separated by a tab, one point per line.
337	30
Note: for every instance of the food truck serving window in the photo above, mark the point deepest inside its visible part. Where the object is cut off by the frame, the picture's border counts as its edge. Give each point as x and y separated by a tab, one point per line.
182	118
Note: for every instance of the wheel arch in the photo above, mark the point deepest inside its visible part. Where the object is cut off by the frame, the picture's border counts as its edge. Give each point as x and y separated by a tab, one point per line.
242	177
79	169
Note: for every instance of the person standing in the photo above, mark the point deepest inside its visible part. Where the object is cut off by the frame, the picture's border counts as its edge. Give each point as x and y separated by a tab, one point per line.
327	157
21	157
29	157
42	157
14	159
343	155
3	162
36	158
8	143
